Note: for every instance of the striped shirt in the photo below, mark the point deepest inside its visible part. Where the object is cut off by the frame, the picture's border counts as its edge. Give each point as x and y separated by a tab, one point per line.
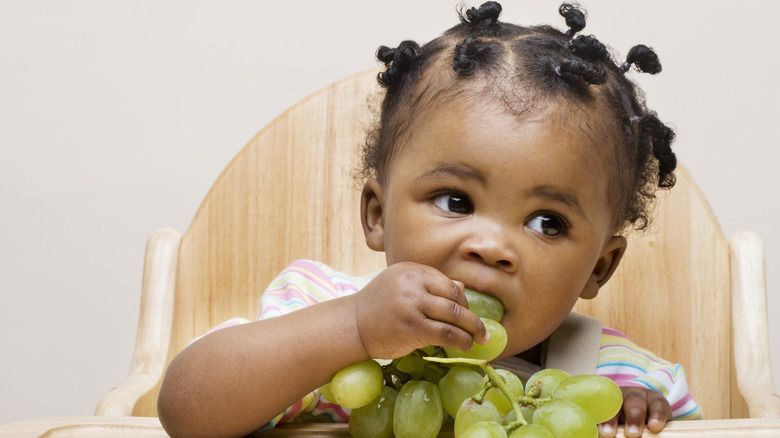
305	282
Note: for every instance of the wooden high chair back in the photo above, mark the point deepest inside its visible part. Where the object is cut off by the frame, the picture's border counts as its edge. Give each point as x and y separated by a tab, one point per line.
289	194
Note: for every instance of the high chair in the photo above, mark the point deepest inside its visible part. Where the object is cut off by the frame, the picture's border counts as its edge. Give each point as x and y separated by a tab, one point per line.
683	290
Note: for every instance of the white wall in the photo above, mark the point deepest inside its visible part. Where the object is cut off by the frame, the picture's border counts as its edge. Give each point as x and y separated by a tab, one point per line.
116	117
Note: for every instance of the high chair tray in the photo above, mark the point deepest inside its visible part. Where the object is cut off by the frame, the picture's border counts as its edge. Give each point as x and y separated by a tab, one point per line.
148	427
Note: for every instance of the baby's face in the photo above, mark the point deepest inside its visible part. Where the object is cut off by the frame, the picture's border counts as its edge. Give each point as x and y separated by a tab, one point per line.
517	211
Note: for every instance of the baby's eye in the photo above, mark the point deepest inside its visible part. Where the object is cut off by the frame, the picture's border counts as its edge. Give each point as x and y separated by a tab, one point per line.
454	203
548	224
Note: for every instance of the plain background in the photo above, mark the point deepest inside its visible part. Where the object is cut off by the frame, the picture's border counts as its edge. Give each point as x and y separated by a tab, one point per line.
116	118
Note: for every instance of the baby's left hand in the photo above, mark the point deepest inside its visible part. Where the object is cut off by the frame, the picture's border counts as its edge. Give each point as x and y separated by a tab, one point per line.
640	406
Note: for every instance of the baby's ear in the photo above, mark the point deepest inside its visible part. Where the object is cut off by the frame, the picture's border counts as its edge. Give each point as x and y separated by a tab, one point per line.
371	214
605	266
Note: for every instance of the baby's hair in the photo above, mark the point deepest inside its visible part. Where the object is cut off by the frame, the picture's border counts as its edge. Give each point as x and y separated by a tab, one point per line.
528	68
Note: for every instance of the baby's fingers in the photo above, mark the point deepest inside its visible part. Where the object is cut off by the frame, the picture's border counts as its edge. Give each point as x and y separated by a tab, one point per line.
643	406
608	429
454	325
658	412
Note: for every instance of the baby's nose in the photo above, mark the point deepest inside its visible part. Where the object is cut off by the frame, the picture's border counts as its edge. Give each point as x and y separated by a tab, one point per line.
494	246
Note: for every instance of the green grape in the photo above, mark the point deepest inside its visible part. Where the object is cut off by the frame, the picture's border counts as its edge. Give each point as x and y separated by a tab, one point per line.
411	364
497	397
565	419
357	384
528	413
487	352
484	306
525	410
434	372
471	412
484	429
598	395
374	420
326	392
531	431
460	383
429	350
544	382
509	418
418	412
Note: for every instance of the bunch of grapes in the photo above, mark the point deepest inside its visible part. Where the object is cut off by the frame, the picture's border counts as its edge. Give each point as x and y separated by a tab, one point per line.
413	396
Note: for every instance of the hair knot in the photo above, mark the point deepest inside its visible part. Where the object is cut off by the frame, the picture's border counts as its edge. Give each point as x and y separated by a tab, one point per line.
660	137
575	18
488	11
472	53
399	62
589	48
644	58
574	68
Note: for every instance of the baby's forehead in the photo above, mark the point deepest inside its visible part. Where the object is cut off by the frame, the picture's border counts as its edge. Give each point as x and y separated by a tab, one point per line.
585	131
591	120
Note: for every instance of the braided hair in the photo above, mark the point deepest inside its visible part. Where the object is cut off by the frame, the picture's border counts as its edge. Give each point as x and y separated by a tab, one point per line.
528	68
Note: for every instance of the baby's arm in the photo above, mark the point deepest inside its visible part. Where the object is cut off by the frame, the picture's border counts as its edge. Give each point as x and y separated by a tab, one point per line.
233	381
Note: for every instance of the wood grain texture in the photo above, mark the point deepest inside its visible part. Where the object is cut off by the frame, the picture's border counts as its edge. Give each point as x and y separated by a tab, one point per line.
671	294
143	427
751	333
290	194
154	326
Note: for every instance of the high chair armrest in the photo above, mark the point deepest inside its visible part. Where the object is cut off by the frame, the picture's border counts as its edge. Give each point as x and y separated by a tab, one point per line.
750	326
154	325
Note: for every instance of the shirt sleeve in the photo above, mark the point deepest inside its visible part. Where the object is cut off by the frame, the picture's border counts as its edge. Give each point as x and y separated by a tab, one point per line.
628	364
304	283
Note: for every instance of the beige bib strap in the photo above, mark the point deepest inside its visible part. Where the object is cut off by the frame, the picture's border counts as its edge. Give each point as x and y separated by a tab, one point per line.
574	346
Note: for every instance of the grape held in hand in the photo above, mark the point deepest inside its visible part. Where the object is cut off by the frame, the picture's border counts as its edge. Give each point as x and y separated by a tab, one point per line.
489	351
484	306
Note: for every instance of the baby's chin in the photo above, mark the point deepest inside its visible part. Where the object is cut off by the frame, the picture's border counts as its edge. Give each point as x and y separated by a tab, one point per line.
524	353
530	353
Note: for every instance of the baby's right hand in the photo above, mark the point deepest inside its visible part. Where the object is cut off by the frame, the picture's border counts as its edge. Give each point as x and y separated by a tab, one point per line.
410	306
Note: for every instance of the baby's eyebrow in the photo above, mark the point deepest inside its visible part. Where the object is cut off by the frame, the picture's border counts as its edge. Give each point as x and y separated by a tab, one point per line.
443	169
561	196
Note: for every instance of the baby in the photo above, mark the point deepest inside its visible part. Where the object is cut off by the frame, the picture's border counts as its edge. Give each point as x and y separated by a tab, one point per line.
507	160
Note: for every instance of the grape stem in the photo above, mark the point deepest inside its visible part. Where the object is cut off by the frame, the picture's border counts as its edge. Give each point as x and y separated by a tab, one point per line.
478	362
498	381
534	401
486	385
495	380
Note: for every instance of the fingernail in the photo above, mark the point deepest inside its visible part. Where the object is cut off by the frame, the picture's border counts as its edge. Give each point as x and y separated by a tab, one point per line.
633	431
607	430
